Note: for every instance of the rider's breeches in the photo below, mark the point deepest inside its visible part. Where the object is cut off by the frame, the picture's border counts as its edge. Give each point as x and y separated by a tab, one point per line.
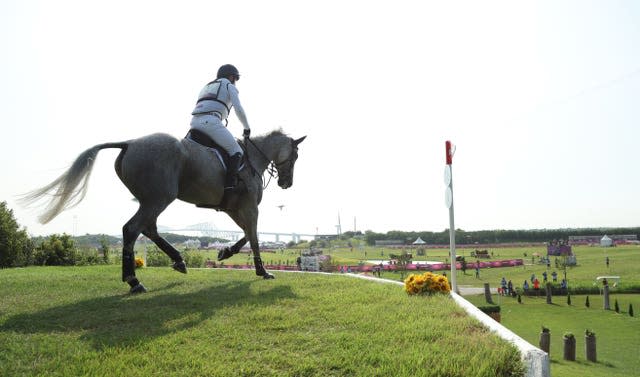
212	126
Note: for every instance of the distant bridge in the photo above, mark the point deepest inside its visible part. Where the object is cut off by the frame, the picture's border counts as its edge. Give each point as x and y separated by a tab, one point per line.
210	230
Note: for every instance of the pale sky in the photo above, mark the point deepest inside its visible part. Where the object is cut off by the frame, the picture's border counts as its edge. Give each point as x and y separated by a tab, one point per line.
540	98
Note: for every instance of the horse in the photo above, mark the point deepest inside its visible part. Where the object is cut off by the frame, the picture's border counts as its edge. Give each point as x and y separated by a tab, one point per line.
158	169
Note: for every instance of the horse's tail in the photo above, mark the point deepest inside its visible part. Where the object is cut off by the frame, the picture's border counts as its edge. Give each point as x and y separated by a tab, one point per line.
69	188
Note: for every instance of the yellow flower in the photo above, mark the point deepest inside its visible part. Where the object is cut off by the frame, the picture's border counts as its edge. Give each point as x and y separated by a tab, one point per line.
427	283
139	262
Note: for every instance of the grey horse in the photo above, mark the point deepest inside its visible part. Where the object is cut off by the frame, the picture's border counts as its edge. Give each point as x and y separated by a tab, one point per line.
158	169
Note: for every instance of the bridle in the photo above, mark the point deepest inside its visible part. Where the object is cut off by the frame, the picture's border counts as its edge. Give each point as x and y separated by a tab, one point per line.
273	168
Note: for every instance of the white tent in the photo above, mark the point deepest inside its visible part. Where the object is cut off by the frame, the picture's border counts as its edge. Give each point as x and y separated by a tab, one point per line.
606	241
419	241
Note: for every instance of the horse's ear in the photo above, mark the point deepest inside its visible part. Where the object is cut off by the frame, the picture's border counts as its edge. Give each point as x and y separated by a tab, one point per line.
296	142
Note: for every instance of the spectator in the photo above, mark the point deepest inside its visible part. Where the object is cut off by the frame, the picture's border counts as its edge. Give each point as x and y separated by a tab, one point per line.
477	269
544	276
503	285
536	284
607	261
525	286
510	290
554	275
533	277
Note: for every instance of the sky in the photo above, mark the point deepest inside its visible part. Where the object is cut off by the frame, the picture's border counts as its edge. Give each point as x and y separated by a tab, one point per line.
539	98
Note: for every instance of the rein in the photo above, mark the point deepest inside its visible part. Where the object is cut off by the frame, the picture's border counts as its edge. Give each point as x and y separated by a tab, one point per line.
271	168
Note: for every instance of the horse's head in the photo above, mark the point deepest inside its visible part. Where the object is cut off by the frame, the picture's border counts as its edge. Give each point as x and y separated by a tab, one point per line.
285	162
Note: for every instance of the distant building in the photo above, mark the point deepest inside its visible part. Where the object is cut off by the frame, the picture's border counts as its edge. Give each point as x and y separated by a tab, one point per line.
192	244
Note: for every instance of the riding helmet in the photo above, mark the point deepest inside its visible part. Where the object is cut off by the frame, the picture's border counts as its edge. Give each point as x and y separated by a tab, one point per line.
227	70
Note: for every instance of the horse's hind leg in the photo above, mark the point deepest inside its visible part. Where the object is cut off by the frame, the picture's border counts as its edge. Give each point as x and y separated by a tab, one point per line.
144	220
130	232
178	263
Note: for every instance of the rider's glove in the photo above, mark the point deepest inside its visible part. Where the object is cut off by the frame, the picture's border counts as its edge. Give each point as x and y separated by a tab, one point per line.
246	133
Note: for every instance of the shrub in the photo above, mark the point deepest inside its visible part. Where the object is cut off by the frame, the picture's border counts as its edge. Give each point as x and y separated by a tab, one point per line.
104	247
88	257
490	309
193	259
616	306
630	310
586	302
157	257
57	250
568	299
326	264
16	248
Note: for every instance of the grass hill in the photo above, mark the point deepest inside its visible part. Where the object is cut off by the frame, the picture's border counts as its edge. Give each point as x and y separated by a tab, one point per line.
61	321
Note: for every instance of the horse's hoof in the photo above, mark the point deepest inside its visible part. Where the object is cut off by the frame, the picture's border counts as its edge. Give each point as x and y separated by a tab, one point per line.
139	288
224	254
180	267
268	276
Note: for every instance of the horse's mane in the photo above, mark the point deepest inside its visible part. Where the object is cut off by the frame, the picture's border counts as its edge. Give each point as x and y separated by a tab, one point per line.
274	133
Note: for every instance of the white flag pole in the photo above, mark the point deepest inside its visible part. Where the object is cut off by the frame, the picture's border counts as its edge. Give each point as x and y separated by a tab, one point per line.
448	180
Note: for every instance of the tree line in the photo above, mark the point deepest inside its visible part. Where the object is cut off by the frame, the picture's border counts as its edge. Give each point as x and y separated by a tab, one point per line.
489	236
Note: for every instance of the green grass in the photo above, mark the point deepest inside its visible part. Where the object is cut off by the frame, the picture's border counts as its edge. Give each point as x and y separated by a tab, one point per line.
64	321
624	262
618	334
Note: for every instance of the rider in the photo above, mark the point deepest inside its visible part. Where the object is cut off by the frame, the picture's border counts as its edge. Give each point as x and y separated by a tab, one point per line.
214	104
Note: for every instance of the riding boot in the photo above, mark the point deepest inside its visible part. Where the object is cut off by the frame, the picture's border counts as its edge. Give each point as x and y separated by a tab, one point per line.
231	180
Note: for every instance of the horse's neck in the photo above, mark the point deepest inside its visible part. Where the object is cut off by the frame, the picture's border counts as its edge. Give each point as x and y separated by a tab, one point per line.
261	154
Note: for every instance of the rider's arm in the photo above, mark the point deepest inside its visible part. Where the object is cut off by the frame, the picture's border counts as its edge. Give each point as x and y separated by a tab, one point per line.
233	92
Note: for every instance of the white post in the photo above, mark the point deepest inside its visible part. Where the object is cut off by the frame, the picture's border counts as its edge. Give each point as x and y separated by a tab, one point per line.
448	181
452	244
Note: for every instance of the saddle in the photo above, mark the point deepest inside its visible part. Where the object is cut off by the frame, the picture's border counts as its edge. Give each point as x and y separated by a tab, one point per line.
229	198
206	141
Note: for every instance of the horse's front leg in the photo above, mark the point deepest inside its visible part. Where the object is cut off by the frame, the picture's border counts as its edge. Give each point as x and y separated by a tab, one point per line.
252	233
228	252
247	218
260	270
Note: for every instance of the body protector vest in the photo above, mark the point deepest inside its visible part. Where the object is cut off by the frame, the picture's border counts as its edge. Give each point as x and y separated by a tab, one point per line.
215	97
